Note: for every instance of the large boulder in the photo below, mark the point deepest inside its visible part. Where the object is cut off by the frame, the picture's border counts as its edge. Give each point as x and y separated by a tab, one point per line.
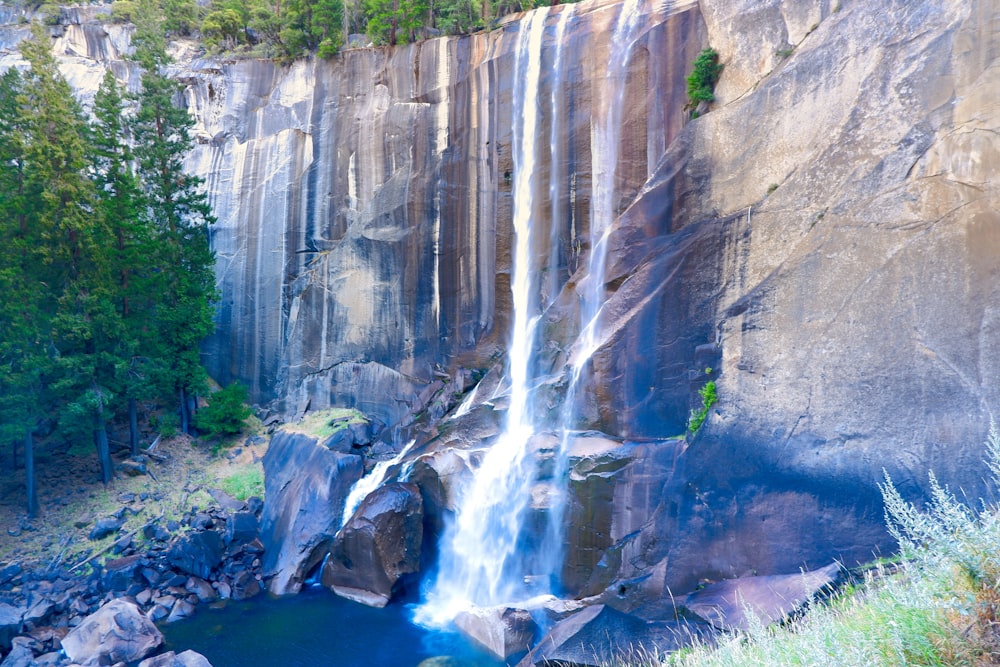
738	604
502	631
306	486
600	635
117	632
197	554
378	545
170	659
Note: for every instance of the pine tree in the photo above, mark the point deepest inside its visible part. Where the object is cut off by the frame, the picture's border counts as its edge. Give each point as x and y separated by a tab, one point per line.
63	207
23	356
126	221
180	215
394	21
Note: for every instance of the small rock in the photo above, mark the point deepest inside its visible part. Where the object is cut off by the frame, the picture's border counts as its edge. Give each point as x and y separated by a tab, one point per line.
105	527
182	609
9	572
202	589
157	613
224	589
10	624
20	655
245	586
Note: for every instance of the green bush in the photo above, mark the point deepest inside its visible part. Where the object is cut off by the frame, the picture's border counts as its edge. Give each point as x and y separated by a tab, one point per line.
709	397
701	82
226	412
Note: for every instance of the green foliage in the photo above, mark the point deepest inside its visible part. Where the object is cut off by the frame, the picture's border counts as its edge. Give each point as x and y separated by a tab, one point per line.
222	26
709	397
245	483
394	21
226	412
106	272
704	75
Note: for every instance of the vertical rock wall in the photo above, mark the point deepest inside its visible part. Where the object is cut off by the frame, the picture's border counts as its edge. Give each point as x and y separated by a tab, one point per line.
364	202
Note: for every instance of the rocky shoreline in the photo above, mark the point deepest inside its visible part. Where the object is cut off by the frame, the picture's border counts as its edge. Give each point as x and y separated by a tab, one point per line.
161	573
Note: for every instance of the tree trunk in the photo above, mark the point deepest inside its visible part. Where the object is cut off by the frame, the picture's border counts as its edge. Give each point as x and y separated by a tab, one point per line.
29	473
192	408
184	412
103	449
133	428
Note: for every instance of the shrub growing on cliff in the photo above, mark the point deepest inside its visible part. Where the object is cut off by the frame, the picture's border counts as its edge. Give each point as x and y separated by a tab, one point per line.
701	82
709	397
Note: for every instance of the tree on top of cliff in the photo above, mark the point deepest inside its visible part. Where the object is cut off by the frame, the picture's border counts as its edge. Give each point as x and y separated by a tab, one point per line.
394	21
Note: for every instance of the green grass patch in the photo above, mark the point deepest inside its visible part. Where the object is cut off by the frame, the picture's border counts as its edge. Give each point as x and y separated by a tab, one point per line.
324	423
245	482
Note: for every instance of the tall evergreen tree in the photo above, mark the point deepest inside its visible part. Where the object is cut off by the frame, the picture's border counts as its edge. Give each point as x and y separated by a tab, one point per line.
131	244
180	214
23	327
62	205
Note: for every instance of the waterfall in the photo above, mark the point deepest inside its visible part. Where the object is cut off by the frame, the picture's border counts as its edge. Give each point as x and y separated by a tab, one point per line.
605	142
487	554
370	482
480	560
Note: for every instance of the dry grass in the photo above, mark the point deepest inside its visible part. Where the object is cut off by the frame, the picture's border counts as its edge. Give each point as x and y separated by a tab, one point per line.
72	498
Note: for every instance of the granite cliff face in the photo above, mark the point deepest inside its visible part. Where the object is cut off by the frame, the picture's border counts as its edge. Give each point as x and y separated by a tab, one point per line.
824	239
364	203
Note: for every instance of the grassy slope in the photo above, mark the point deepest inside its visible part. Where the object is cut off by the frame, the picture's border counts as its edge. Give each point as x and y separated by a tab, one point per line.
72	498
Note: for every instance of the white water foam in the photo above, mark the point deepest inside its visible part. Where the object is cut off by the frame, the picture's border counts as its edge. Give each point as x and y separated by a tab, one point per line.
370	482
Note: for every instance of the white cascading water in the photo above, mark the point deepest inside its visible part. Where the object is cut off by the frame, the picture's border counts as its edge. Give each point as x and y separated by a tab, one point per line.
478	563
605	142
482	560
372	481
